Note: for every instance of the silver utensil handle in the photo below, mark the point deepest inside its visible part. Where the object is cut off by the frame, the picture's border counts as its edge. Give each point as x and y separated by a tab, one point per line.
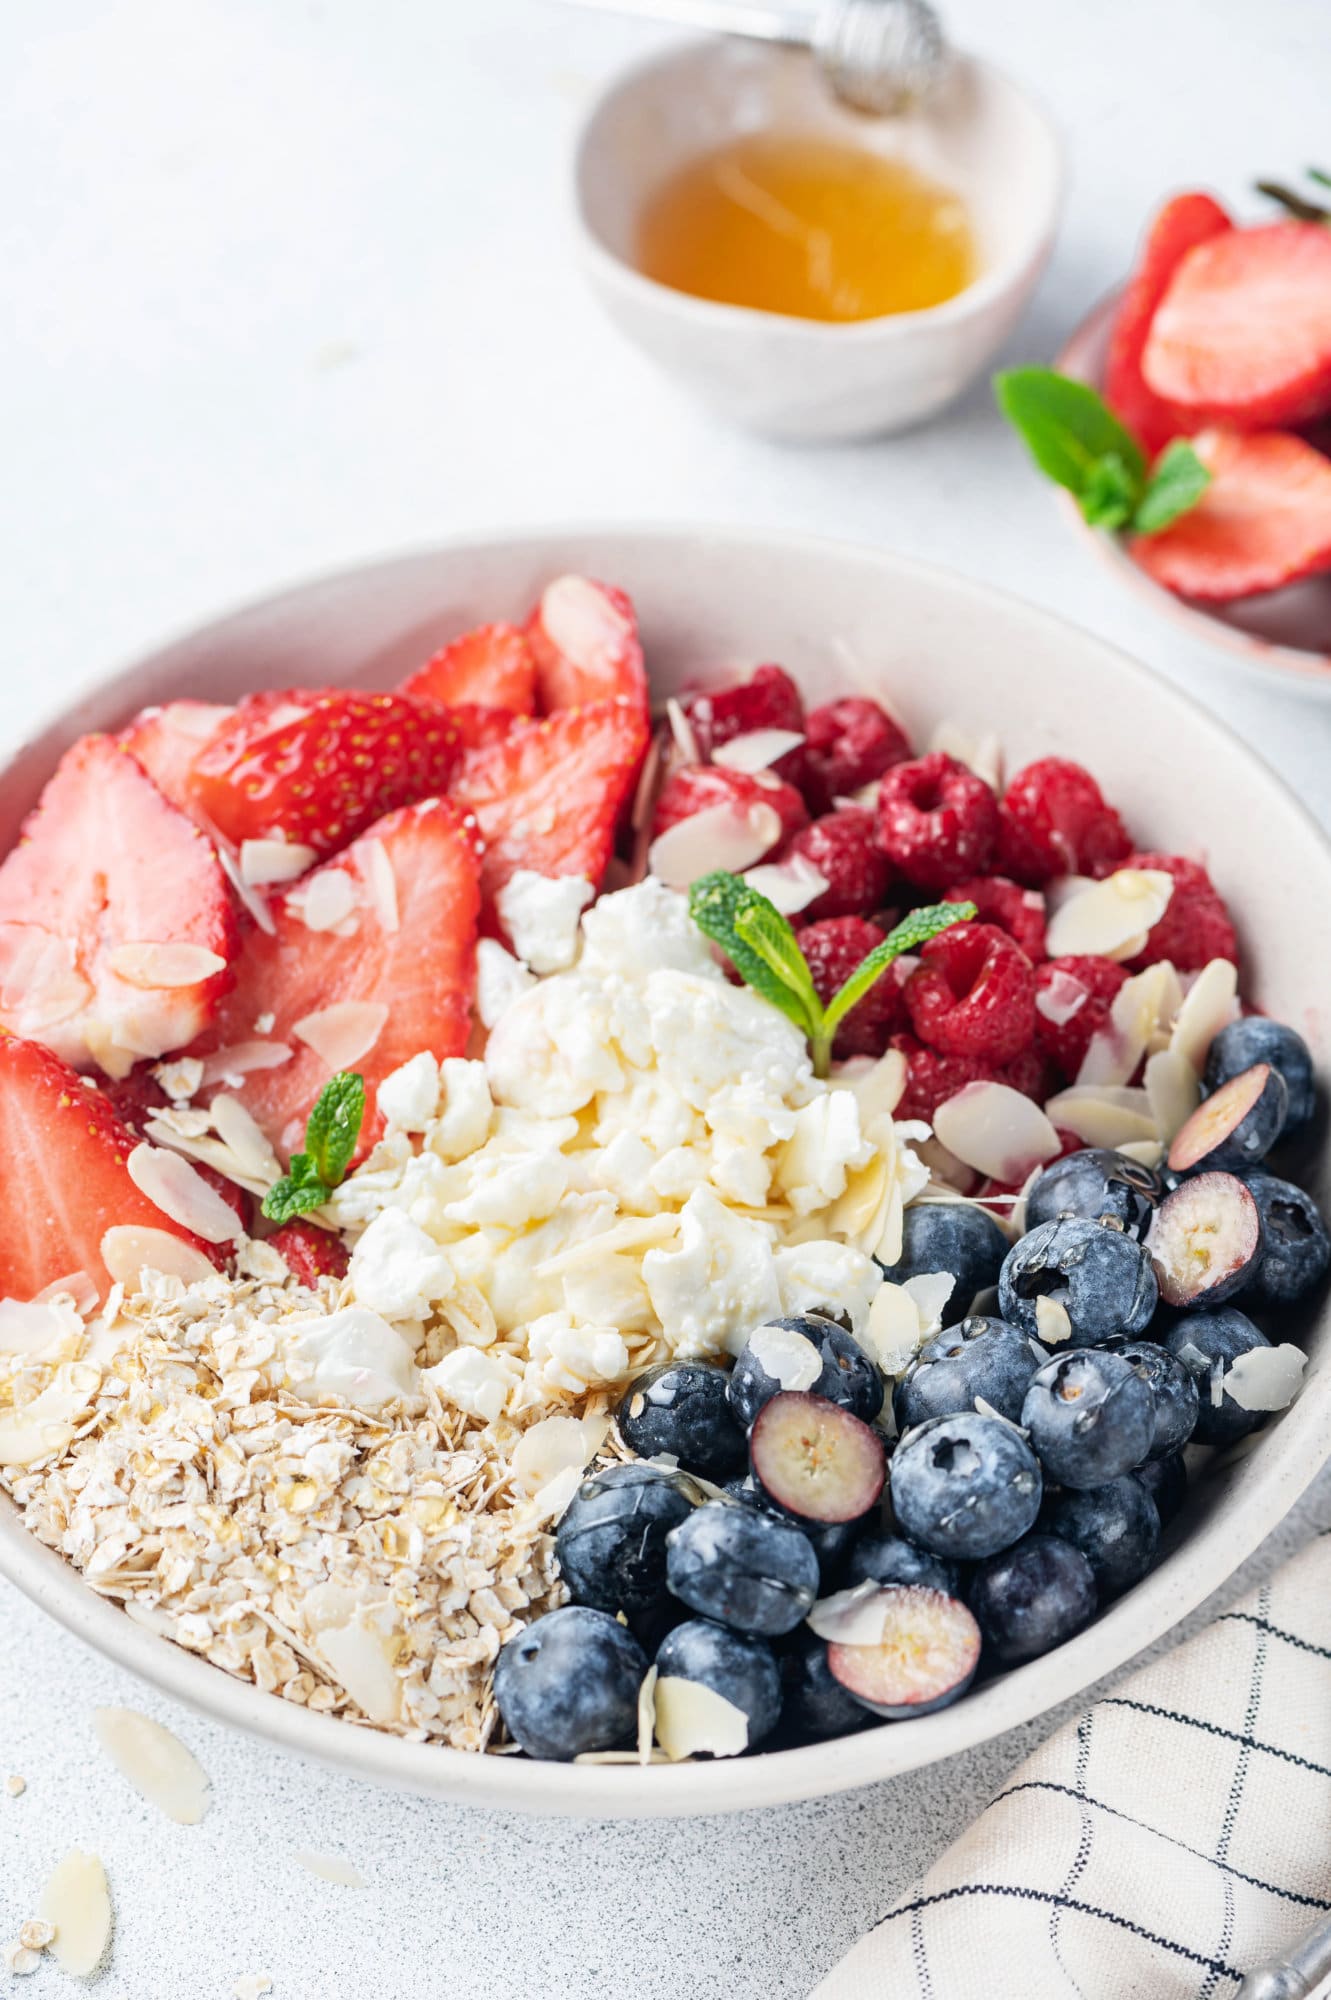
724	17
1294	1976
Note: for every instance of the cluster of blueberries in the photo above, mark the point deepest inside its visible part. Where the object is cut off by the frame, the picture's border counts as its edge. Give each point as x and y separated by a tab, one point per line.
1025	1488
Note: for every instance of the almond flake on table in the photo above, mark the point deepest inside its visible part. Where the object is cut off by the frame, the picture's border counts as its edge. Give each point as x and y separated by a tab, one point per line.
15	1786
331	1868
252	1986
20	1960
155	1762
77	1902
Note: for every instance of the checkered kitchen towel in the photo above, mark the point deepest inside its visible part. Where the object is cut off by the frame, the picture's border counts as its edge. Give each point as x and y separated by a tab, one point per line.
1174	1837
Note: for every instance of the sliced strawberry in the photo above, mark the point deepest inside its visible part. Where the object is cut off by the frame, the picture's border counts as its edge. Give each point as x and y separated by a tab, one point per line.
476	726
167	741
1242	335
63	1177
584	636
117	928
310	1253
1264	521
550	796
1182	223
391	974
492	667
318	765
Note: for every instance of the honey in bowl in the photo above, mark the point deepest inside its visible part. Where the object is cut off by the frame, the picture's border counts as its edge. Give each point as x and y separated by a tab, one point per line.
809	227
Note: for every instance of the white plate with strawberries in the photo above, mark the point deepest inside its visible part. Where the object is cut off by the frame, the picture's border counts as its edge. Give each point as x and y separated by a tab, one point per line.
252	869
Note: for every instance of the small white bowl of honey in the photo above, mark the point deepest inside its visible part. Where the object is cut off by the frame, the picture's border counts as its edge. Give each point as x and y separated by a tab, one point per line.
808	271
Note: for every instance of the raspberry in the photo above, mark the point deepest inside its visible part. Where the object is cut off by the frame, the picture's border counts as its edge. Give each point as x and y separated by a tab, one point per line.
847	744
973	994
768	699
1020	912
833	949
1055	822
1086	986
310	1253
1032	1073
841	847
136	1097
699	786
932	1078
937	822
1196	926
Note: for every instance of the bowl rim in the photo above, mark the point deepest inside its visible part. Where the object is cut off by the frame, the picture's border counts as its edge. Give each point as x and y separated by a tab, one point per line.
772	1777
990	287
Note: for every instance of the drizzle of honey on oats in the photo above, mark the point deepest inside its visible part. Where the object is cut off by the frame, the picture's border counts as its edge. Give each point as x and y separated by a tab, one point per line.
808	227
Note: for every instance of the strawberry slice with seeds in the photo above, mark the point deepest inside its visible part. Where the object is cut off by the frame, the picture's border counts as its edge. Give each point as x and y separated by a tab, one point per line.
584	637
167	740
550	796
318	765
117	927
1242	335
1184	222
372	959
310	1253
477	725
492	667
63	1175
1264	521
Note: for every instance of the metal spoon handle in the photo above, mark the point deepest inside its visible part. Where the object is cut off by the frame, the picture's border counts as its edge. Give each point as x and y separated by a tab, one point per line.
1296	1975
723	17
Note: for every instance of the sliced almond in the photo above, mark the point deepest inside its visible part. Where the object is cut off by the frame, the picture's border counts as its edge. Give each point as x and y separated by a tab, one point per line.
153	966
326	901
1112	918
77	1901
254	901
647	1715
1061	997
128	1250
1173	1091
238	1130
376	872
341	1034
1266	1378
242	1059
1052	1324
790	885
155	1762
853	1617
264	861
683	733
1146	1152
331	1868
691	1718
717	837
981	754
1135	1017
360	1657
548	1447
997	1130
1103	1114
27	1326
1210	1004
757	750
181	1192
77	1287
786	1355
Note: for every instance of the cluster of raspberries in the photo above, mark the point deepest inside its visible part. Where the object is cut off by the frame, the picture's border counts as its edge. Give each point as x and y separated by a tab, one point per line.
888	830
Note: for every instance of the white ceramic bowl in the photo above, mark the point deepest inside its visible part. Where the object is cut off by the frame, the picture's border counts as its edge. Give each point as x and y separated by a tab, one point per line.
802	379
839	617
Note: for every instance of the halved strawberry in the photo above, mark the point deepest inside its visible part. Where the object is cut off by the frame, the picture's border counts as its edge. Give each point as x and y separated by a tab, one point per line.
550	796
310	1253
476	725
492	666
117	928
63	1178
167	741
1264	521
1242	335
584	637
1182	223
319	764
389	972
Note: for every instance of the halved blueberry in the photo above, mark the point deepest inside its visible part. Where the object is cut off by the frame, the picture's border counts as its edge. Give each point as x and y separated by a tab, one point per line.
743	1567
1092	1184
1032	1597
1166	1480
741	1669
950	1236
1254	1039
816	1460
1172	1389
965	1486
568	1683
682	1409
1296	1249
1236	1126
1090	1417
1102	1279
1206	1240
926	1657
1116	1527
1208	1344
980	1357
804	1352
611	1540
813	1701
888	1558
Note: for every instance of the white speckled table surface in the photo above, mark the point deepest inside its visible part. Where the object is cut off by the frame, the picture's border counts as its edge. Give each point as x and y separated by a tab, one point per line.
288	284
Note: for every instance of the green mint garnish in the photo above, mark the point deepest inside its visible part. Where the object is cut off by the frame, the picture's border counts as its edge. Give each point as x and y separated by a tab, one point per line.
1077	441
763	949
331	1132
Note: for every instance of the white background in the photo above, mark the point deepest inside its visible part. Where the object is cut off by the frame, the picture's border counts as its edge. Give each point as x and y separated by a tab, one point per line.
288	285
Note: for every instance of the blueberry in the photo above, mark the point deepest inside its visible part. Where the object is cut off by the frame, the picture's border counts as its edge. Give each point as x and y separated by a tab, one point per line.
890	1558
1172	1388
814	1703
1296	1248
1206	1240
1094	1183
569	1683
964	1487
1254	1039
742	1670
1032	1597
927	1656
980	1357
805	1352
1116	1527
682	1410
1090	1415
743	1566
611	1541
950	1236
830	1539
1166	1480
1207	1344
1236	1126
1102	1279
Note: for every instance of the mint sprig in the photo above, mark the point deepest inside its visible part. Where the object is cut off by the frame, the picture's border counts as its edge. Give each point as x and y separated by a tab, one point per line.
1077	441
763	948
331	1132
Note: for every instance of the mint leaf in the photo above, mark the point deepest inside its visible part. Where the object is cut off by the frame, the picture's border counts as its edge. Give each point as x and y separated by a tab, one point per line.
763	928
299	1191
1110	494
715	901
334	1125
1177	482
913	930
1067	428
